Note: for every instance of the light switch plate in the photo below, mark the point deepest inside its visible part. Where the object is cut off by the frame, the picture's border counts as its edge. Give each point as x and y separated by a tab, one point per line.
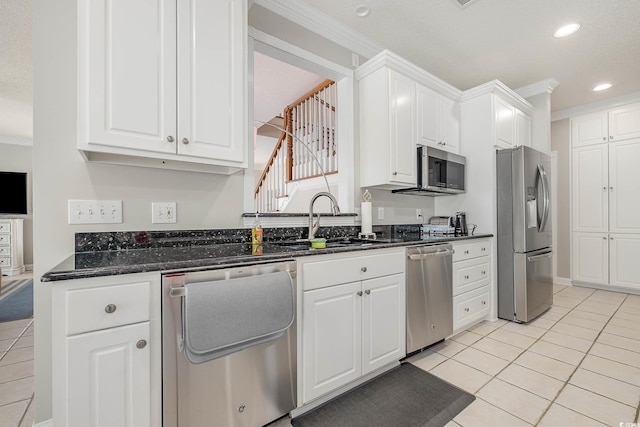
163	212
380	213
95	211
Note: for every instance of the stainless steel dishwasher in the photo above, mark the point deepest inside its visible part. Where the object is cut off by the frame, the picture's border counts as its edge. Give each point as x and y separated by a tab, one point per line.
429	295
250	387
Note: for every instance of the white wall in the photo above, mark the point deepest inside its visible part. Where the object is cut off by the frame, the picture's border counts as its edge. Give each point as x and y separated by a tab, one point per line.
59	174
17	158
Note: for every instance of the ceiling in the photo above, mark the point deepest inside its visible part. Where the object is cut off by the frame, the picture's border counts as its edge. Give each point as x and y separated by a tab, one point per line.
509	40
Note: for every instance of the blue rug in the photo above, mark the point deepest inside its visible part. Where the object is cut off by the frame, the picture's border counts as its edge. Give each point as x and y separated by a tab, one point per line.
18	305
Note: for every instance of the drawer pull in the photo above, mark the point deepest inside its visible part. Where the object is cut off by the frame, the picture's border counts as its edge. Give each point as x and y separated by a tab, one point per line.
483	249
141	344
466	277
466	309
359	293
368	292
484	303
466	252
483	272
110	308
363	269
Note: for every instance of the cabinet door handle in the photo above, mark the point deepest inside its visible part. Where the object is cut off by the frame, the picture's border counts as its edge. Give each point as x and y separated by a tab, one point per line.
363	269
185	141
466	309
466	277
483	249
368	292
611	188
395	173
484	303
359	293
604	238
466	252
483	272
611	238
170	138
141	344
604	188
110	308
611	137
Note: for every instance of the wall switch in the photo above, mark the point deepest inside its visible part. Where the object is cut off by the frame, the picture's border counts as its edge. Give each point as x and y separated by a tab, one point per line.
163	212
418	213
95	211
380	213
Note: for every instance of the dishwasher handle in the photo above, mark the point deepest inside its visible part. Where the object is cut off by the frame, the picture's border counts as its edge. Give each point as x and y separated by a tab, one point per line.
417	257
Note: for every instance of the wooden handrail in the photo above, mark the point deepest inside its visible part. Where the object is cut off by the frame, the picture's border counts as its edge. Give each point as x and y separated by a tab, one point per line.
325	84
274	154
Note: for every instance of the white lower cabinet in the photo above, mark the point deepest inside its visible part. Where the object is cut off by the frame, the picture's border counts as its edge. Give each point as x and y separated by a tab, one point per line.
471	282
107	351
351	329
591	258
624	268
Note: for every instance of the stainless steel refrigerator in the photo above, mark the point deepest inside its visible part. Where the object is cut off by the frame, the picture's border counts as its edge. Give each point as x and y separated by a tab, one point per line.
525	264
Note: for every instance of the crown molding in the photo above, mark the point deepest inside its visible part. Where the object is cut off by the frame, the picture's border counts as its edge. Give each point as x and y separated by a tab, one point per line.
501	90
15	140
322	24
596	106
401	65
544	86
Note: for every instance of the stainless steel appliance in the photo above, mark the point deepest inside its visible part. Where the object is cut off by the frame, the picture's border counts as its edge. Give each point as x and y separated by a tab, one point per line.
461	224
248	388
439	173
429	295
525	274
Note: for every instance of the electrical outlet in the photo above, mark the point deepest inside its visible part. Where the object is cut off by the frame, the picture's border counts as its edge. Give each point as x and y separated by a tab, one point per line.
163	212
418	213
95	211
380	213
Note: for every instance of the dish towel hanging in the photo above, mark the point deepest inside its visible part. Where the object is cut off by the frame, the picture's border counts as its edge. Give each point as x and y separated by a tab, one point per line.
224	316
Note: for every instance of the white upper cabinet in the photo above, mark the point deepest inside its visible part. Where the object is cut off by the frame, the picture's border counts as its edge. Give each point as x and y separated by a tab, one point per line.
523	129
589	129
624	187
161	84
590	188
624	123
505	121
438	120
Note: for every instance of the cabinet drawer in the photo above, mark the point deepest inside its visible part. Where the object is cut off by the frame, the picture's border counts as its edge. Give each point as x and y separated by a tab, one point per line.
87	308
5	239
470	250
5	227
5	262
470	307
337	271
5	250
470	274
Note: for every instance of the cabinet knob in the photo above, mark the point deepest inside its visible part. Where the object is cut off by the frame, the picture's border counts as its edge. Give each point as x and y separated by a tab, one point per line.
604	238
466	277
170	138
185	141
359	293
444	143
604	138
611	188
363	269
611	137
483	272
395	173
611	238
466	309
604	188
466	252
484	303
110	308
368	292
141	344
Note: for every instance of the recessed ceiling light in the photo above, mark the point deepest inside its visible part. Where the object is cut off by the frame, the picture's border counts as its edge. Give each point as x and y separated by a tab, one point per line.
602	86
362	10
566	30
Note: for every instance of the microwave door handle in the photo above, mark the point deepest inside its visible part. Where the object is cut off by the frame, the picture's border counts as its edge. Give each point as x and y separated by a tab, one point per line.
542	179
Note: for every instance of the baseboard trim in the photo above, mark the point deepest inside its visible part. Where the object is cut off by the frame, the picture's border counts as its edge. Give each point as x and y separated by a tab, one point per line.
562	281
609	288
47	423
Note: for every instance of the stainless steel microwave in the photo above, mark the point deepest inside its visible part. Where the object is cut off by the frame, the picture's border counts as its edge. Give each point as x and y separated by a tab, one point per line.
439	173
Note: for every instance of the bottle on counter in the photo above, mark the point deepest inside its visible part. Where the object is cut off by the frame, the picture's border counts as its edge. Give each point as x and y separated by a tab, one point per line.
256	237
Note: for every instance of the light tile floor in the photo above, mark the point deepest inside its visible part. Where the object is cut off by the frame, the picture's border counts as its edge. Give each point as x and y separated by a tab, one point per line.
577	364
16	370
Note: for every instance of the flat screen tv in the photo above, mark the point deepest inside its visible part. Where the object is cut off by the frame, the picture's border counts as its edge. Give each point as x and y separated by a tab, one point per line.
13	197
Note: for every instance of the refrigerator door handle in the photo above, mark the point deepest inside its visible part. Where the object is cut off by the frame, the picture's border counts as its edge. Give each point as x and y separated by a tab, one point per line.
542	179
541	256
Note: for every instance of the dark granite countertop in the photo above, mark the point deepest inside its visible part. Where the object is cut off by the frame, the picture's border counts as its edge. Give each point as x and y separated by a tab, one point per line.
110	254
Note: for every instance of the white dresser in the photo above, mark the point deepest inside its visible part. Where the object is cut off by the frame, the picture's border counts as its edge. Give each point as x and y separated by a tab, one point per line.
11	252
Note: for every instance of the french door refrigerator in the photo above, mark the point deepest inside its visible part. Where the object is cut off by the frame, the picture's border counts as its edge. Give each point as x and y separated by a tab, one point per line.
525	264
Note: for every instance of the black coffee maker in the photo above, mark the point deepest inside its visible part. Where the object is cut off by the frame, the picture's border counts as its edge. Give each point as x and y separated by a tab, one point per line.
461	224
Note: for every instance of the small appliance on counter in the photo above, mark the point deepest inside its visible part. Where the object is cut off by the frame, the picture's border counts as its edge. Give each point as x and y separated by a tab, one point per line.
461	224
439	225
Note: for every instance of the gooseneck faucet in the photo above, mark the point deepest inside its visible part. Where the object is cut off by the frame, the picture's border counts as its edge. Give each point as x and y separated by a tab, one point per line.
313	228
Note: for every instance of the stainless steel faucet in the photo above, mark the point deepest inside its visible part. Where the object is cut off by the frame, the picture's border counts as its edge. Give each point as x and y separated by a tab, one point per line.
313	228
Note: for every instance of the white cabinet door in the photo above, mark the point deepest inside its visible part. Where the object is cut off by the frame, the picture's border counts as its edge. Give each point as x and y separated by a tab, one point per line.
623	260
589	129
523	129
109	382
402	128
591	257
211	55
590	191
450	124
428	116
383	321
128	74
624	187
331	349
504	123
624	123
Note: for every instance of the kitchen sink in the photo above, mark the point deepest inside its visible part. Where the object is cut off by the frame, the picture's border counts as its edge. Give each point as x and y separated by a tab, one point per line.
338	243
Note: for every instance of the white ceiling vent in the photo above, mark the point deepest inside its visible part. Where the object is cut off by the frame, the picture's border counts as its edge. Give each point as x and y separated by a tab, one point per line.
463	3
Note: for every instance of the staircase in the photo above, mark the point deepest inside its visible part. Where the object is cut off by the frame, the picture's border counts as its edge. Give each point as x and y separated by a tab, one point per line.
306	148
